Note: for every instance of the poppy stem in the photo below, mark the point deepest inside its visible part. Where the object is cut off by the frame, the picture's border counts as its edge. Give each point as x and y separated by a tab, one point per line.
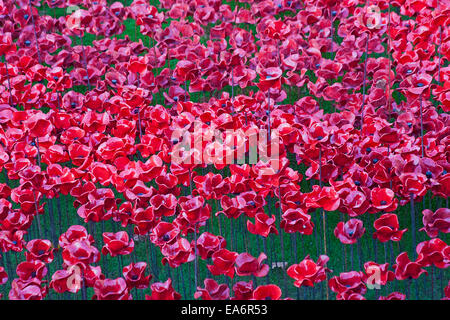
195	257
183	281
360	255
37	216
266	252
351	257
83	288
413	225
324	221
295	255
432	281
282	242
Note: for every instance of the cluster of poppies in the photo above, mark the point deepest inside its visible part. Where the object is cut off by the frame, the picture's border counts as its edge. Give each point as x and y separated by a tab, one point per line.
95	103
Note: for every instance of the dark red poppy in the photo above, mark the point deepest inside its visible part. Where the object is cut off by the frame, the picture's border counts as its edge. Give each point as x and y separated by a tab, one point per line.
223	263
267	292
31	269
263	226
387	228
407	269
39	250
295	220
393	296
80	251
118	243
350	231
111	289
377	274
135	277
163	291
248	265
435	222
213	291
383	199
208	244
433	252
308	272
27	290
347	283
243	290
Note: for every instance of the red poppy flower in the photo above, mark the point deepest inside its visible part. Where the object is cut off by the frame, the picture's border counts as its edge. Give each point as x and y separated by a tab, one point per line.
270	78
213	291
347	283
177	252
144	220
433	252
28	270
326	198
387	228
407	269
164	232
383	199
194	209
243	290
74	233
164	205
223	263
135	277
263	226
247	265
118	243
163	291
393	296
39	250
267	292
208	243
350	231
27	290
111	289
69	280
295	220
308	272
80	251
377	274
435	222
